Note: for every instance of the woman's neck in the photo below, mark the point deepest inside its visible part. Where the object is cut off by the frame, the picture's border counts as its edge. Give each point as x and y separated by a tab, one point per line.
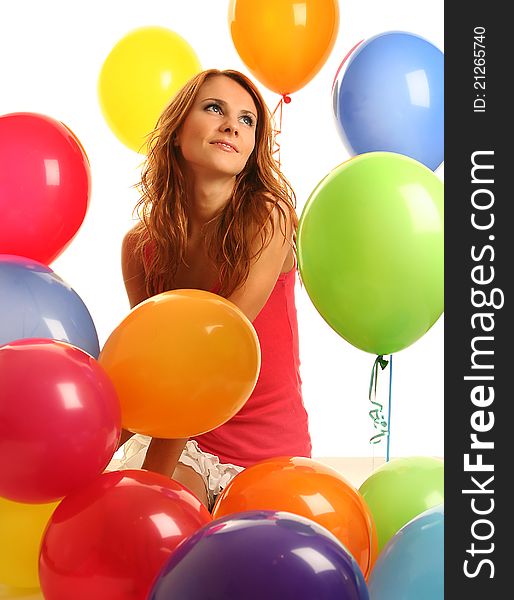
207	197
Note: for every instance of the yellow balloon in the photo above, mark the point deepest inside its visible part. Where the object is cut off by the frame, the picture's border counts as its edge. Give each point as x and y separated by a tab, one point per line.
138	79
8	593
182	362
284	43
21	529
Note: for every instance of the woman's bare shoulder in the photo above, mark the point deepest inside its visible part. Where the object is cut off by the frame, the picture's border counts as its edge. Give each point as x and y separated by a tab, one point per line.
133	236
281	218
130	247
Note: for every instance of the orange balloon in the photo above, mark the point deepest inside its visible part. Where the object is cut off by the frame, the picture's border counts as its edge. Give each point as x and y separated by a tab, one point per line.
183	362
308	488
284	43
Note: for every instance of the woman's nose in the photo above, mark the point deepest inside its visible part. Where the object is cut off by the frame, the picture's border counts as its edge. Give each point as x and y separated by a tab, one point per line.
228	126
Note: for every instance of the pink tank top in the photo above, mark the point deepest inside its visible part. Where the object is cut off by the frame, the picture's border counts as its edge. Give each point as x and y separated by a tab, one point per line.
273	422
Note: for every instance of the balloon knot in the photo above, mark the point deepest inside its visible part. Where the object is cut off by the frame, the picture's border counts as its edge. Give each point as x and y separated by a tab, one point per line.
286	98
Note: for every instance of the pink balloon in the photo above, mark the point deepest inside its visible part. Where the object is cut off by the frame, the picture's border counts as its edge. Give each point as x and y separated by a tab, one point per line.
60	420
109	540
44	186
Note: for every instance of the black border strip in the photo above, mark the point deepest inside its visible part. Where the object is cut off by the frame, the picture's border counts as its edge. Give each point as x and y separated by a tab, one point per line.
479	267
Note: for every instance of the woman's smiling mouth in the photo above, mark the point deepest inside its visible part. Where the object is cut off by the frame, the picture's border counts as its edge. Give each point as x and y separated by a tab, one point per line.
226	146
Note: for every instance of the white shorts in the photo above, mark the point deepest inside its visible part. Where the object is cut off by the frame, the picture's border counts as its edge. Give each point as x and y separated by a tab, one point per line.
215	475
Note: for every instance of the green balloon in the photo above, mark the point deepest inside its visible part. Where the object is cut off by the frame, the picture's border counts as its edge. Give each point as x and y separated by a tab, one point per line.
370	250
400	490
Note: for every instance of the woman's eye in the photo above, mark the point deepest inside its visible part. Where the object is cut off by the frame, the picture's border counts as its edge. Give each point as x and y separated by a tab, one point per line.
214	108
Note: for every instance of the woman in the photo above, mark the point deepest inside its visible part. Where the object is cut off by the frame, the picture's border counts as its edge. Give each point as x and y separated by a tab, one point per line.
216	214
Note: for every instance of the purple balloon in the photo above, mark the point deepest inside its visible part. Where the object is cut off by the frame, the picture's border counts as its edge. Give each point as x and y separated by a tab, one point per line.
261	555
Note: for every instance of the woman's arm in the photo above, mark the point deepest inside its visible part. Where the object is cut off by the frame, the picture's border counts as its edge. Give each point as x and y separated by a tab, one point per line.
264	272
163	454
133	270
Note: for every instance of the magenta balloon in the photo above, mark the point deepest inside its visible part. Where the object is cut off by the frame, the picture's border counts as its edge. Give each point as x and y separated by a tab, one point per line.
60	420
44	186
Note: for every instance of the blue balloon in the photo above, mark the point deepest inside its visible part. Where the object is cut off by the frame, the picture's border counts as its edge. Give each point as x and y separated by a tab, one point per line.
411	565
389	96
260	555
37	303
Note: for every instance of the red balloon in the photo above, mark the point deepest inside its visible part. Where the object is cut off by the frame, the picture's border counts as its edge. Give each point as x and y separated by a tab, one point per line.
44	186
60	420
110	540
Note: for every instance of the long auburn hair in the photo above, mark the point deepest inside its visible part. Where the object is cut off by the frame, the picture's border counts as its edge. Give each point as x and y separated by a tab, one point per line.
230	235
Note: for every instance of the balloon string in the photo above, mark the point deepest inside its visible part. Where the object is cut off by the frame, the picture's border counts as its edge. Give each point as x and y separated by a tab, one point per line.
389	407
278	127
377	414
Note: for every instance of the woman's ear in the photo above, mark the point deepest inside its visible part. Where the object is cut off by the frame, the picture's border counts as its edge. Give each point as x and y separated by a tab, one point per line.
175	137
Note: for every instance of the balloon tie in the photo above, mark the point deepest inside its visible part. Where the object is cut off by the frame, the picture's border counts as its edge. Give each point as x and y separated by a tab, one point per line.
377	414
278	126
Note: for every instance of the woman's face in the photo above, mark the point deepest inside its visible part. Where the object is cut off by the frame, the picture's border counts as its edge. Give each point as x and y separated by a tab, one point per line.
218	134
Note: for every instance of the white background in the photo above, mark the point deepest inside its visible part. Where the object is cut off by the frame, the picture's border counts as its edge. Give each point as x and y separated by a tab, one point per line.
51	52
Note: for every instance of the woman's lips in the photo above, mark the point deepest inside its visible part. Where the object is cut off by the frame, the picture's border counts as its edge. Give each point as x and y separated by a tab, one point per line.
225	146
